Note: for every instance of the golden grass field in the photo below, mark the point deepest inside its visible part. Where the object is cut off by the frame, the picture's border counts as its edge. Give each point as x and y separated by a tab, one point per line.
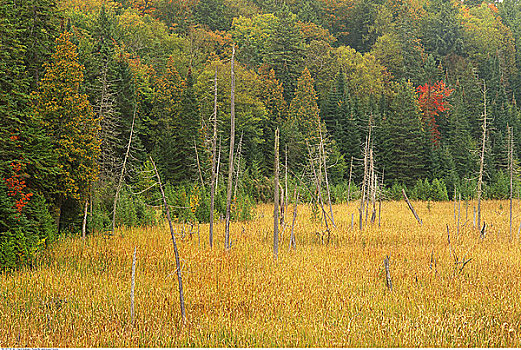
78	294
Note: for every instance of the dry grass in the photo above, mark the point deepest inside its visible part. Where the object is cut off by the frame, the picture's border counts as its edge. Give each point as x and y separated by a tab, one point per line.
332	295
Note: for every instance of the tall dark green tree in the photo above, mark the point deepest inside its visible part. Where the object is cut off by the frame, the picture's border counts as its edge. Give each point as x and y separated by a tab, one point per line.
403	148
441	29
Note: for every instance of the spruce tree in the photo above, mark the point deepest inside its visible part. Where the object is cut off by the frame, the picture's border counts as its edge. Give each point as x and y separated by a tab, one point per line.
403	147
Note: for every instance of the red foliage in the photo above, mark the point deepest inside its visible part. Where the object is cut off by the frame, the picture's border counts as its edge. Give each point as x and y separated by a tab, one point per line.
432	100
16	185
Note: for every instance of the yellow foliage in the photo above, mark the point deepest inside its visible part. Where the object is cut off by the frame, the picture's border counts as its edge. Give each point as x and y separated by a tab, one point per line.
78	293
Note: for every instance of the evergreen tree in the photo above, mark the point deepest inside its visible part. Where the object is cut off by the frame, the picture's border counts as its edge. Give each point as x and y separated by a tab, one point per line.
285	51
185	136
403	147
441	29
271	94
67	117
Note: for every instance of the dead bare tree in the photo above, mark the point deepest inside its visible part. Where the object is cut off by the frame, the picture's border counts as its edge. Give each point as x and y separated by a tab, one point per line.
122	173
380	198
349	182
411	207
176	252
276	201
482	157
511	171
198	165
84	226
230	158
388	281
238	172
316	179
286	197
214	161
292	241
322	154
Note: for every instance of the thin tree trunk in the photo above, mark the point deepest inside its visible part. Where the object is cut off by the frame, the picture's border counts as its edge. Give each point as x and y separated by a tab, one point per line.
459	208
319	192
286	197
238	173
482	158
411	208
292	241
323	156
511	168
214	162
349	183
84	226
380	199
276	201
230	158
388	280
122	174
364	183
176	252
198	165
217	171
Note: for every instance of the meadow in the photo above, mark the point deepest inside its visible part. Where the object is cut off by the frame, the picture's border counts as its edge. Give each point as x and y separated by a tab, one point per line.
77	294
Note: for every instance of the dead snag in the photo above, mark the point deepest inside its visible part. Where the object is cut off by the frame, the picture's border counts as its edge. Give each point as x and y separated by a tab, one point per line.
276	200
410	207
230	159
176	252
482	157
292	241
388	281
214	162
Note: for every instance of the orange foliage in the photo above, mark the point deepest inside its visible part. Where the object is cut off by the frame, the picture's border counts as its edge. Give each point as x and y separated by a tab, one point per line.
432	100
16	185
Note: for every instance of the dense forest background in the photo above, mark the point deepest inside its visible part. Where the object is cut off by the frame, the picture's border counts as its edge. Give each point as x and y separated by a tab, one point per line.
77	76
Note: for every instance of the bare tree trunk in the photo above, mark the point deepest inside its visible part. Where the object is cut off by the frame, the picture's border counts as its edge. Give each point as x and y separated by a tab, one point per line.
349	183
388	280
319	192
198	165
364	183
230	158
84	226
380	199
176	252
217	171
214	162
411	208
323	156
286	197
238	173
122	173
482	158
511	169
292	241
276	201
459	208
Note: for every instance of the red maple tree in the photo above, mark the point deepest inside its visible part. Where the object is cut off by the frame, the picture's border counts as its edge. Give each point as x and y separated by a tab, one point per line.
433	101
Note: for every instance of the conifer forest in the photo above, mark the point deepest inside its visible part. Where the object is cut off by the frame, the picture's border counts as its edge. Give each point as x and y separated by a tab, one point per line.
260	173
